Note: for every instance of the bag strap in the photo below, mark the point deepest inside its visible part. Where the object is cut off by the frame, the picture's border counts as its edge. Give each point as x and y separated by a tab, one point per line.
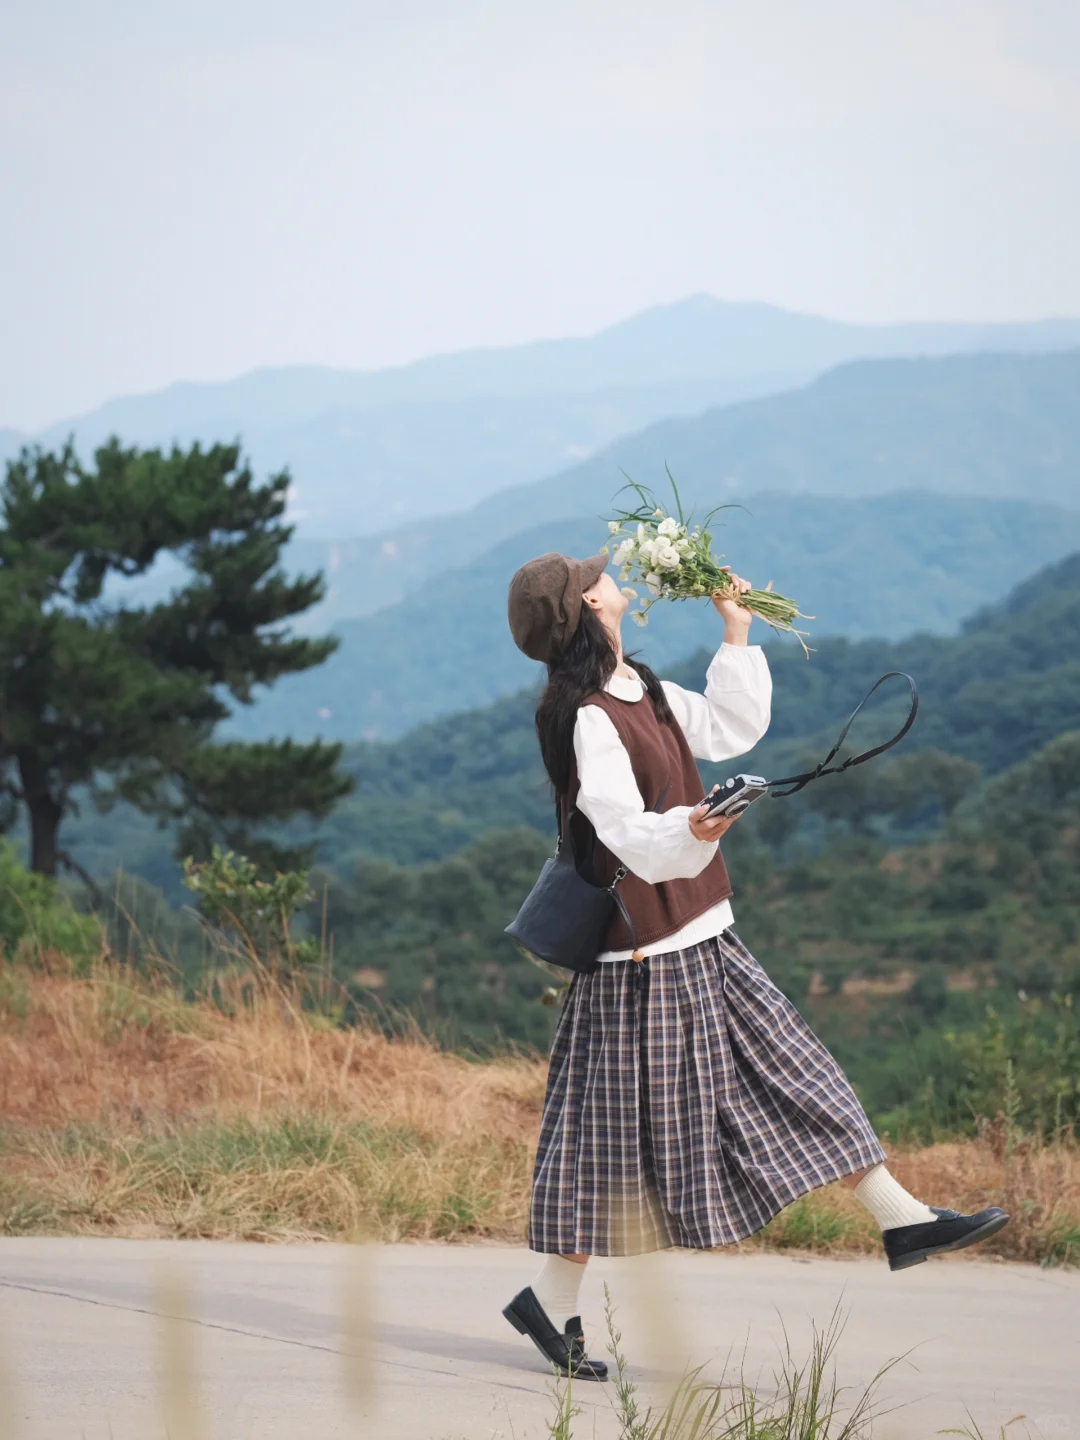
797	782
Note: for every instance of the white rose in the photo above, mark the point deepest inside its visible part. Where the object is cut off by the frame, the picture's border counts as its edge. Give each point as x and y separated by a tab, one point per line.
667	557
653	582
668	527
683	546
623	552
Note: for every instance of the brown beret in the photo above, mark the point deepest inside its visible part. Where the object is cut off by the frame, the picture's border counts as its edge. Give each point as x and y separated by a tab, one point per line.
545	602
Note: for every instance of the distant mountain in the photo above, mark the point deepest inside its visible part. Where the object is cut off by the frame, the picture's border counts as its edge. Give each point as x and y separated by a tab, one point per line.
999	426
987	425
886	566
371	449
363	470
421	610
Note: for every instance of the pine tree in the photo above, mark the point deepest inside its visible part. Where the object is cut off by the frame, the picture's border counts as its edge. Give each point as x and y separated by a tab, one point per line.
122	701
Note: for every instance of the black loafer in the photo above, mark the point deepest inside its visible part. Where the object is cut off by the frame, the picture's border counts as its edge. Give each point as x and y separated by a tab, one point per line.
565	1349
912	1244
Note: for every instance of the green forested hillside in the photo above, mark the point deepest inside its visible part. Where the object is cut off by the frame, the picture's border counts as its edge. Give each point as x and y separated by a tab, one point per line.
931	968
1002	688
915	562
1005	686
942	958
895	953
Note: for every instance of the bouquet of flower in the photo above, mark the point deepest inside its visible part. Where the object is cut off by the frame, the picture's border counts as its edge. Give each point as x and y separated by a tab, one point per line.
671	555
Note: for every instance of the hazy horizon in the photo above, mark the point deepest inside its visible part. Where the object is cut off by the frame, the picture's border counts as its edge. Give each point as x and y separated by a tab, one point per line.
182	380
195	192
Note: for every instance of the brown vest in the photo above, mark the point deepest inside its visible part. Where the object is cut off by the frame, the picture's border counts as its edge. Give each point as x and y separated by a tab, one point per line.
667	776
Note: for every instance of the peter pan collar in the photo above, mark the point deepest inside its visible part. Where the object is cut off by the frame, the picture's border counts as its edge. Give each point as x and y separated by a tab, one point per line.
624	688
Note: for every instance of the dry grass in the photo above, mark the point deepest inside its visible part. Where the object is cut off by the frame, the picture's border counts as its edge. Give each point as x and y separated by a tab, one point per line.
124	1110
1038	1184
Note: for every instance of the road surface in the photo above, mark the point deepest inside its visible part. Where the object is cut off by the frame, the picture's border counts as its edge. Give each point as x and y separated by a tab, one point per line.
324	1342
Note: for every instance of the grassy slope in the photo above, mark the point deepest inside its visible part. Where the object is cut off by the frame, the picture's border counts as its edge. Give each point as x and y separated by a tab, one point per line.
127	1111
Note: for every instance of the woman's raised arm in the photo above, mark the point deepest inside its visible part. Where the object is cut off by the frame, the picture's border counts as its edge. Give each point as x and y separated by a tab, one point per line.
734	713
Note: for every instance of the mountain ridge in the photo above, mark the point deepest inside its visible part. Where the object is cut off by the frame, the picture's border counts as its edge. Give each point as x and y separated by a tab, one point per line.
439	433
490	369
1015	417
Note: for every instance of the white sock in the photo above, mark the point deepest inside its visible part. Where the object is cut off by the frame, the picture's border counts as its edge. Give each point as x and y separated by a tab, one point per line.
888	1201
557	1287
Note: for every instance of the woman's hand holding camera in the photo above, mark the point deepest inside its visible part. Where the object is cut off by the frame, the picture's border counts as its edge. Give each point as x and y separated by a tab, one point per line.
704	827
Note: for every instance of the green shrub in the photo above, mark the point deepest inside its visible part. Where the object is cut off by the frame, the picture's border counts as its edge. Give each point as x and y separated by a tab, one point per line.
1024	1067
251	918
36	915
1016	1068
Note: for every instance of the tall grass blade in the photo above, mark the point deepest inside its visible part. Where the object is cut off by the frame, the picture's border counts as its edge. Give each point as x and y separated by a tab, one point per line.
632	1424
177	1336
560	1425
10	1409
806	1401
358	1330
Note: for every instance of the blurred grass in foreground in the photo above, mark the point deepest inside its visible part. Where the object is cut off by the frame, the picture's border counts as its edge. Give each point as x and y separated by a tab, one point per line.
126	1110
801	1399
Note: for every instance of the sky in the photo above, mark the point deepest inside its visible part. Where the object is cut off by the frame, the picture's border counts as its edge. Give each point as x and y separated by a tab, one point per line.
195	188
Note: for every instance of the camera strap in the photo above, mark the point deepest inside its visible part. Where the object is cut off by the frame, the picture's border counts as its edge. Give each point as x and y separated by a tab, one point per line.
797	782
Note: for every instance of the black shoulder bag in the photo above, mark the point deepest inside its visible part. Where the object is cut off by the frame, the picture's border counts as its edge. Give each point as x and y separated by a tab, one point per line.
566	913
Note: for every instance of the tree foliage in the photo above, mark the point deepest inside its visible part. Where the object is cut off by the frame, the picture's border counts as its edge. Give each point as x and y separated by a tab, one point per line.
428	940
123	699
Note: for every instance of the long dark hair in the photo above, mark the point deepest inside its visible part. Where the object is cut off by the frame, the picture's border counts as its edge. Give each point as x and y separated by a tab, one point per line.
583	668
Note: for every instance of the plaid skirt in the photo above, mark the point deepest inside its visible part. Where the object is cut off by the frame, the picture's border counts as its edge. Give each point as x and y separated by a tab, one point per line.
687	1103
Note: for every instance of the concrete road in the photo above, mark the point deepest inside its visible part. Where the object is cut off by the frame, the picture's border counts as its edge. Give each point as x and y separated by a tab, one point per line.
407	1342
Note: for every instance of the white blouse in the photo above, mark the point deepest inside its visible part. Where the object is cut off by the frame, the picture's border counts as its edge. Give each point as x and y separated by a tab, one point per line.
729	719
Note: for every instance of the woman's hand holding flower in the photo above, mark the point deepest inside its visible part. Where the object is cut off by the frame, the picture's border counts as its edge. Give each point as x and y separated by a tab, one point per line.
737	617
672	557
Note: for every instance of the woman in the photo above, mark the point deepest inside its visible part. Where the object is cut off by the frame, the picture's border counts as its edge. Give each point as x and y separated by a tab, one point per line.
687	1101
